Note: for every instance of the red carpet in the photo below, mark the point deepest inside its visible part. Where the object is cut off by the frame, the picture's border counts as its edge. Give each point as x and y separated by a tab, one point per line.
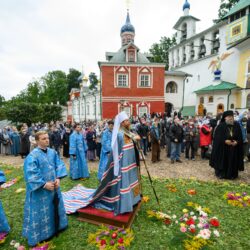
100	216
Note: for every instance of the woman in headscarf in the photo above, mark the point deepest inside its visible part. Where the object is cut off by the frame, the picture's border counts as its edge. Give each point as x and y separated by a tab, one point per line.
6	142
15	139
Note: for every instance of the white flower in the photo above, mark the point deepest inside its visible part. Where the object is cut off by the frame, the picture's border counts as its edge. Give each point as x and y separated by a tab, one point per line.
174	216
200	225
216	233
204	234
185	219
195	217
199	208
176	222
13	242
192	226
17	245
192	213
203	214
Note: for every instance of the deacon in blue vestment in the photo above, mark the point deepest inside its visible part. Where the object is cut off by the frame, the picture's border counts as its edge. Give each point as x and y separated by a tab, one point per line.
44	213
15	139
106	149
4	226
77	151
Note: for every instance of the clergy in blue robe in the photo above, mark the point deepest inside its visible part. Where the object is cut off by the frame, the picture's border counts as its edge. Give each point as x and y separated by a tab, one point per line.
44	212
106	149
77	151
15	142
119	189
4	226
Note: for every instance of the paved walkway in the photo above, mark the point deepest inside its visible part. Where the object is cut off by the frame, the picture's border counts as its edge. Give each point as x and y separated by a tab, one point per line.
198	169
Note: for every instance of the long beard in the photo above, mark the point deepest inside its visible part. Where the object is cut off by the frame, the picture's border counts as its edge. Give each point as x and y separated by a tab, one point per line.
230	122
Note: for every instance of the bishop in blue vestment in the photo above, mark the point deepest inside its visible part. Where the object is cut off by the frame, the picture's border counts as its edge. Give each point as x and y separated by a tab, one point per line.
77	151
44	213
119	189
4	226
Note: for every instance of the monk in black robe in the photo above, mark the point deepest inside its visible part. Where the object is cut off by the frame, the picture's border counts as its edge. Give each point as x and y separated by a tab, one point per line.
227	151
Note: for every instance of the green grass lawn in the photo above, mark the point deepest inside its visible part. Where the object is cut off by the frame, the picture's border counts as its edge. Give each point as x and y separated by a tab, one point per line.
149	234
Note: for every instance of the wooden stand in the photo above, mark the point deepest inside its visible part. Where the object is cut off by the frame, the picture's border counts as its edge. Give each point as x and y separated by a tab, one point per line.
104	217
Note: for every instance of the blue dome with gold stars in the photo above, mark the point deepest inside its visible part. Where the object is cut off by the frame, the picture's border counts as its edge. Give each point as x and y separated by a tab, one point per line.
186	5
128	27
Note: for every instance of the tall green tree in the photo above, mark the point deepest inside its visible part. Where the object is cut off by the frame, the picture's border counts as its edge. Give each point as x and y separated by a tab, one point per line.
93	80
225	6
55	87
2	100
72	79
50	113
160	50
2	113
23	112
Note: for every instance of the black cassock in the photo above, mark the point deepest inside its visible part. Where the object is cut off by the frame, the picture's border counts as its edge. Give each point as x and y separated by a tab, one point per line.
227	160
66	144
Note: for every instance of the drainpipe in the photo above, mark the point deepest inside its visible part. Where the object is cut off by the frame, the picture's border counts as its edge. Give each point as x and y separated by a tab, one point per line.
230	92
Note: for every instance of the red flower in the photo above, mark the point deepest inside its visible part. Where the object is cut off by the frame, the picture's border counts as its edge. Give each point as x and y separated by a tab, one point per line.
114	235
120	240
215	222
191	191
190	221
192	230
103	242
167	221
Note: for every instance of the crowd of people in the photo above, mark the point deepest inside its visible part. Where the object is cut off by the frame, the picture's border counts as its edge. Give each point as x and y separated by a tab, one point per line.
223	140
163	136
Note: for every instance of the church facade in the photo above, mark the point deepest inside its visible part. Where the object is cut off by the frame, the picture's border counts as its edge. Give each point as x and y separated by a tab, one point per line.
216	61
129	81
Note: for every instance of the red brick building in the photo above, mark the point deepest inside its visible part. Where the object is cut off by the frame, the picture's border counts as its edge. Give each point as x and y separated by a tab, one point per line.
129	80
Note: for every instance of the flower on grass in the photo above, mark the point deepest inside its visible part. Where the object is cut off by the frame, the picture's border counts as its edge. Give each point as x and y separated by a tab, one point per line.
183	229
191	192
214	222
216	233
111	238
204	234
190	221
145	199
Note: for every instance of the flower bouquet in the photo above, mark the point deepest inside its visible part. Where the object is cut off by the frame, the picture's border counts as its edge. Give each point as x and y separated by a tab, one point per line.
237	199
3	236
160	216
194	228
111	238
200	229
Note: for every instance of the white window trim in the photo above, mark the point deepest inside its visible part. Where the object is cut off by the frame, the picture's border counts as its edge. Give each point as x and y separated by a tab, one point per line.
117	80
140	80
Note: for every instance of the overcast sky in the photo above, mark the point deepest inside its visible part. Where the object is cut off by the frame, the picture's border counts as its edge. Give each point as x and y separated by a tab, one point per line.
37	36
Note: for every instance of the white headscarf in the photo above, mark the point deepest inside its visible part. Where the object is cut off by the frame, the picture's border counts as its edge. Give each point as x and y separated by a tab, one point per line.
205	122
114	143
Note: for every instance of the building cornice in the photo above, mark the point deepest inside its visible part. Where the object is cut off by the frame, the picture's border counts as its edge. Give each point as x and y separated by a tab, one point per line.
132	64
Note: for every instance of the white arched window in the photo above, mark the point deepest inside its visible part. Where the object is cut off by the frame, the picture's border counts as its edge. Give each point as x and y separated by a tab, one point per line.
171	87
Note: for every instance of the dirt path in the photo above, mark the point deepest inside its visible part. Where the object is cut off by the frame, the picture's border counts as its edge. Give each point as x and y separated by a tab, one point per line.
198	169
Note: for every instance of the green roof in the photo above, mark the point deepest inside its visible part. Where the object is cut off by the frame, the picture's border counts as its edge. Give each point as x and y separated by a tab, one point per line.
242	4
188	111
219	87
